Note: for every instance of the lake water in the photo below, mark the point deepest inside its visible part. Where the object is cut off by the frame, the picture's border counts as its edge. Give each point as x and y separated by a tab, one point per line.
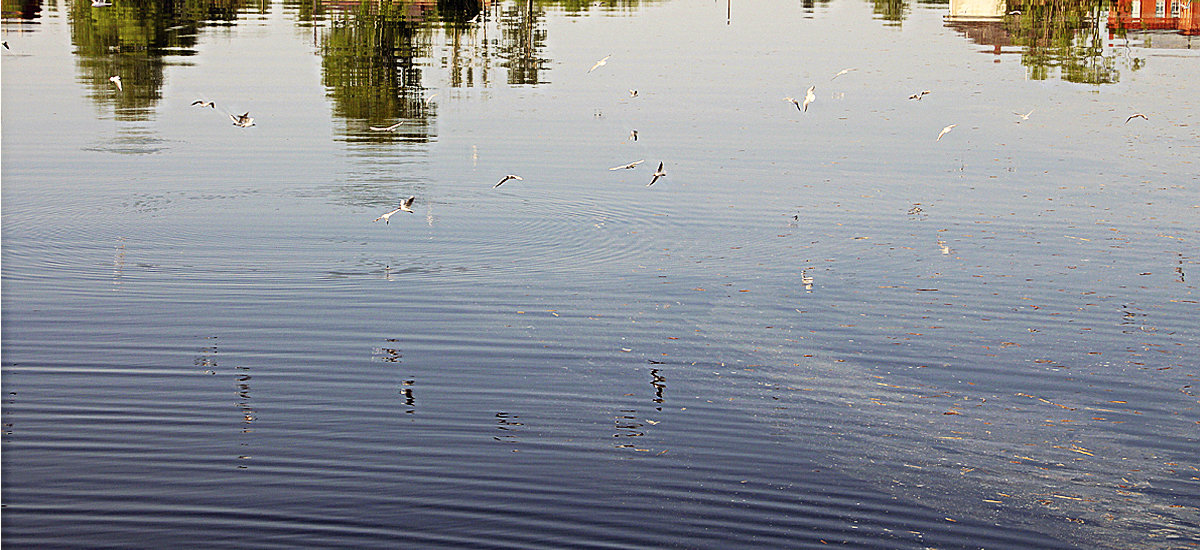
821	327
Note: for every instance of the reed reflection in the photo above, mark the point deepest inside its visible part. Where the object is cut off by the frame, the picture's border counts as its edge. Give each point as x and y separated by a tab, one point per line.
132	40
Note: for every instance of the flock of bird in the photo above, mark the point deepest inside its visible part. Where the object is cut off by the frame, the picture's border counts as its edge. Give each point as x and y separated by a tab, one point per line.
802	106
244	120
405	205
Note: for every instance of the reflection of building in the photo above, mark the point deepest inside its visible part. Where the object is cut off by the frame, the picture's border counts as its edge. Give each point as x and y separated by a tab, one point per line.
961	10
982	21
1156	15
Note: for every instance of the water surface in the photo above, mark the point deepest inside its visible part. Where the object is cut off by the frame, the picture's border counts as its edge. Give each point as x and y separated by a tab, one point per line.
206	341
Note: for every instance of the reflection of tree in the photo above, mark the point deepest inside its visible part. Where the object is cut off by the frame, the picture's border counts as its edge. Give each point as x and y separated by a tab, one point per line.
21	9
368	58
891	12
522	42
130	40
1063	34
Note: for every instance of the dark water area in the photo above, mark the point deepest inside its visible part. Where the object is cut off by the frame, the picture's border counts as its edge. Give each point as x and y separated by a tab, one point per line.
828	326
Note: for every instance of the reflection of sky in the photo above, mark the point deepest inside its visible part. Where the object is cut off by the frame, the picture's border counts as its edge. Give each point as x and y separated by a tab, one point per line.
1070	199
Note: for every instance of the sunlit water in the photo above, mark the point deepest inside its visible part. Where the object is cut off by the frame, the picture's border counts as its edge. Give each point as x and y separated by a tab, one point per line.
821	327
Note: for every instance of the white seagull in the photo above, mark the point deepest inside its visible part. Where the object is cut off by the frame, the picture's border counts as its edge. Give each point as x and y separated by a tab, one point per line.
629	166
387	128
917	96
657	174
244	120
404	206
101	3
632	135
506	178
116	80
202	103
429	99
844	71
1023	116
1135	115
945	131
794	102
632	93
600	63
809	97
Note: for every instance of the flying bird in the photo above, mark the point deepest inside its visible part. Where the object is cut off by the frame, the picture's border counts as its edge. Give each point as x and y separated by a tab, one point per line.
945	131
506	178
387	128
1135	115
632	135
1023	116
629	166
794	102
632	93
600	63
809	97
429	99
917	96
657	174
404	206
101	3
116	80
844	71
201	103
244	120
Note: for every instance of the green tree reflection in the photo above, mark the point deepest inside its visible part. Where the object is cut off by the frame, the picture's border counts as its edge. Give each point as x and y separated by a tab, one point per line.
1063	35
891	12
131	39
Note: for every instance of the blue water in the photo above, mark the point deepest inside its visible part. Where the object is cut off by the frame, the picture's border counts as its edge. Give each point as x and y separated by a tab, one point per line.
208	342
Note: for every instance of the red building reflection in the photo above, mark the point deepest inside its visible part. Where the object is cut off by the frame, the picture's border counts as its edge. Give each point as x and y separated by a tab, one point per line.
1155	15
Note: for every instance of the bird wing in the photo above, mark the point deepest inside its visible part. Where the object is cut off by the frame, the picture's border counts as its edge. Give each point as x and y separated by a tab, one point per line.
407	203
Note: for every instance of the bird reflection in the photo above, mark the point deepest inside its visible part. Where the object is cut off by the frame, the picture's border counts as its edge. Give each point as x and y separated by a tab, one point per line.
659	383
806	280
118	263
390	355
507	423
406	390
627	425
207	359
242	378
